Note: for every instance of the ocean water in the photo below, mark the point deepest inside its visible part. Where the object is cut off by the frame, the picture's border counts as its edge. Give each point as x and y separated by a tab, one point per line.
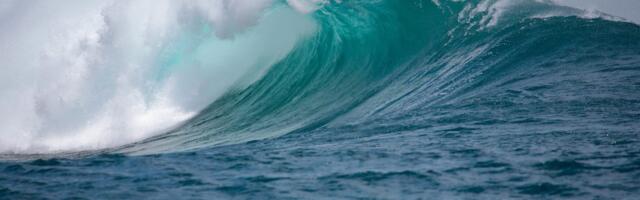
375	99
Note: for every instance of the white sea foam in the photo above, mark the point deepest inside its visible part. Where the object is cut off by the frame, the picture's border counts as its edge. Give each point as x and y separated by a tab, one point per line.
490	13
307	6
86	74
621	9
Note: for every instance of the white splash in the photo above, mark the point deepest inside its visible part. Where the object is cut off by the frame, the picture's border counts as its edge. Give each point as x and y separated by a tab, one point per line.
83	74
307	6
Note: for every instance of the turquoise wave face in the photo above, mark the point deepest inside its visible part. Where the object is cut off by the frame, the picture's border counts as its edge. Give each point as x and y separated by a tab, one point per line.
380	61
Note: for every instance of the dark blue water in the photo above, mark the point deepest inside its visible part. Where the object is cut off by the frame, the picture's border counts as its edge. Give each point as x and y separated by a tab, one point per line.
395	100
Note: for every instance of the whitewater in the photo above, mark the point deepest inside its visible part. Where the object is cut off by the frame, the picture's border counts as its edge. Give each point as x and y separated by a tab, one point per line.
416	99
89	77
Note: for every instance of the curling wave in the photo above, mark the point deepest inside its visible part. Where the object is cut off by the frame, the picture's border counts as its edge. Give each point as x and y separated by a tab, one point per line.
201	80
